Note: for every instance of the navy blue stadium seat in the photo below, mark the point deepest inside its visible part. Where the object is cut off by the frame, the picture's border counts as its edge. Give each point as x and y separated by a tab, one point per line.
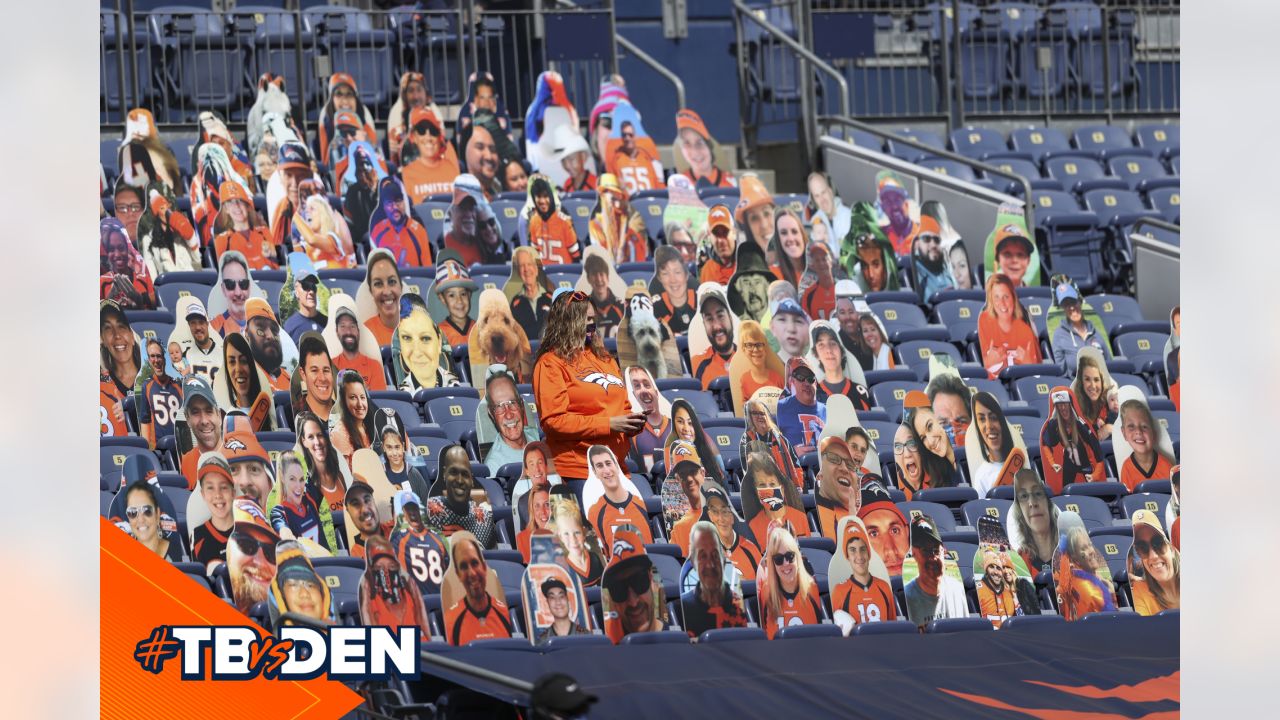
1020	622
458	408
342	575
799	632
579	211
960	318
1141	173
889	395
899	316
1145	349
1117	208
703	402
977	142
1159	139
508	215
1099	139
1114	549
911	154
1034	389
950	168
1080	174
941	514
916	353
1155	502
886	627
1114	310
733	634
1167	201
1093	511
661	637
1040	142
955	625
984	507
203	59
356	47
1018	166
572	641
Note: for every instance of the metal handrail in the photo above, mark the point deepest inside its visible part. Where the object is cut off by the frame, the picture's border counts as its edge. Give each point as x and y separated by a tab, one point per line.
743	9
809	116
654	65
1158	223
1027	205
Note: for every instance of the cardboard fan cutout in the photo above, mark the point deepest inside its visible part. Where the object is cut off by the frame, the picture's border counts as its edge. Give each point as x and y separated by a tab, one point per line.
251	555
498	338
549	110
1154	565
367	468
616	226
842	419
712	334
504	443
672	287
450	298
394	228
351	421
554	605
611	498
1096	393
387	595
243	385
1069	450
1142	448
528	291
121	362
351	345
1080	573
458	502
471	228
1064	337
419	358
1007	335
474	603
576	547
630	153
226	301
539	469
646	398
931	580
545	227
770	500
158	529
749	286
298	588
314	298
990	444
198	345
644	340
532	517
209	512
897	209
272	349
931	266
1172	357
419	548
755	372
377	299
602	283
861	589
1031	522
328	472
685	217
787	326
1004	584
740	547
1010	249
763	435
294	511
713	598
632	595
838	372
837	493
314	386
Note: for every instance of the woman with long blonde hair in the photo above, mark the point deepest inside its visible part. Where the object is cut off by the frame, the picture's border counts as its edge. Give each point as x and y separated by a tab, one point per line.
788	594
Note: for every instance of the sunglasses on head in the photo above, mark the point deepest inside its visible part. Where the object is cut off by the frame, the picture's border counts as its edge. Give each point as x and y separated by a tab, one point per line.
250	545
620	588
577	296
1157	545
146	511
785	558
233	284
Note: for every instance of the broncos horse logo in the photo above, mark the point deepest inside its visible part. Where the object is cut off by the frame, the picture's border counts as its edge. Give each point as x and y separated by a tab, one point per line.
604	380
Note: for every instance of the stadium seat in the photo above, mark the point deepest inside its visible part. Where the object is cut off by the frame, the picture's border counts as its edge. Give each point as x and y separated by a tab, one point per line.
799	632
960	318
276	40
1093	511
703	402
950	168
1155	502
573	641
1109	491
1144	349
1022	622
881	432
916	353
941	514
1141	173
911	154
984	507
579	211
1035	389
1039	142
201	59
952	498
1159	139
508	214
342	575
452	409
661	637
1114	310
976	142
886	627
1117	208
1098	140
433	214
401	402
1170	421
1114	549
1167	201
731	634
357	48
955	625
1080	174
889	395
1020	166
1058	201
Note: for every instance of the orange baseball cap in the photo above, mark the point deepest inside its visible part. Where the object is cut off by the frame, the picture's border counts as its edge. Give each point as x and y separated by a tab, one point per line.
915	399
249	516
853	530
719	217
213	462
627	546
231	190
690	120
929	226
341	78
421	114
753	195
346	118
256	307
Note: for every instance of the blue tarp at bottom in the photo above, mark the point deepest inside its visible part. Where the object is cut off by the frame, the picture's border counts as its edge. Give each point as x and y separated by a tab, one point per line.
1125	667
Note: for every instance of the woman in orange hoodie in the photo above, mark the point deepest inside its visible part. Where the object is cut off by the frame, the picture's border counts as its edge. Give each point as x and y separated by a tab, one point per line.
578	388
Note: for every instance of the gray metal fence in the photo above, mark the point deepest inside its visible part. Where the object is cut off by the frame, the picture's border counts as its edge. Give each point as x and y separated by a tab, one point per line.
179	61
